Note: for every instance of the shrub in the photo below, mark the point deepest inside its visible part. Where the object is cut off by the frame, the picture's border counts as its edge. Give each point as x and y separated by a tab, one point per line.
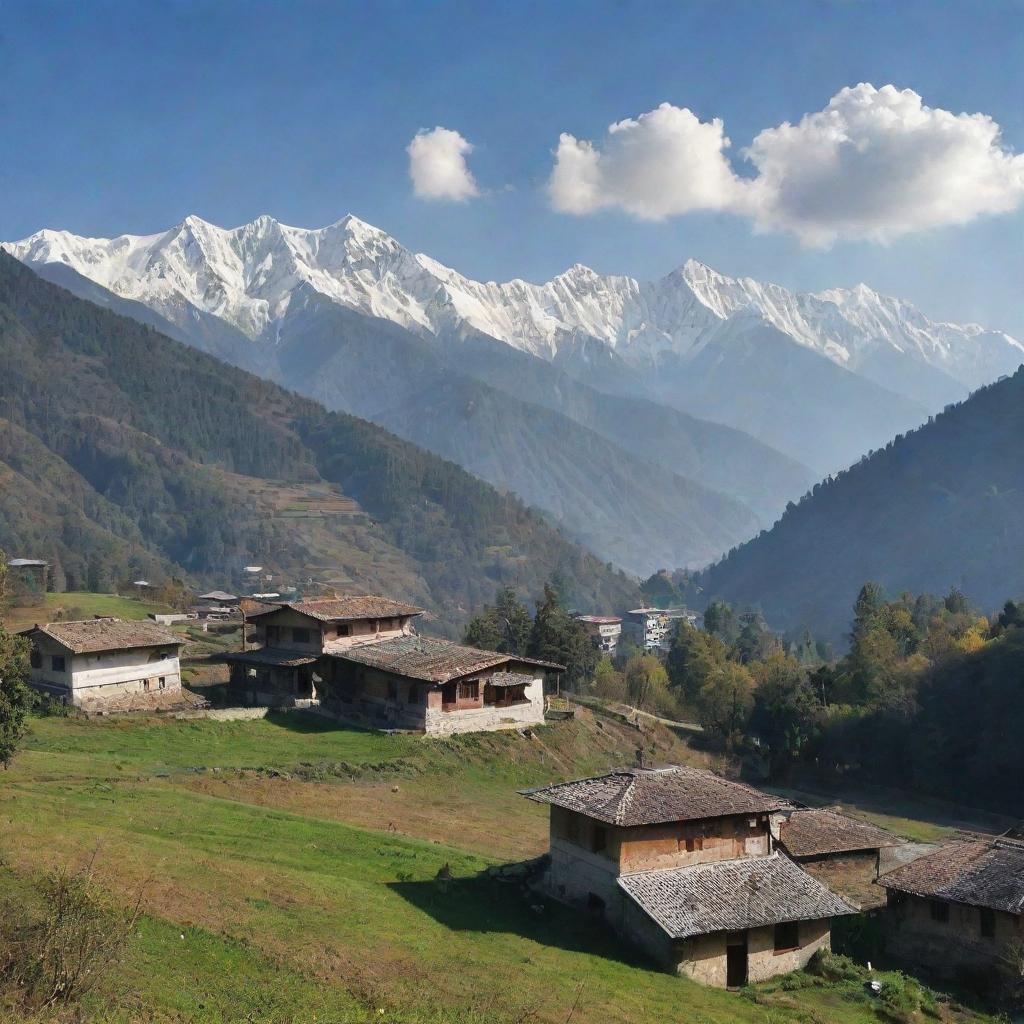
903	998
54	957
834	967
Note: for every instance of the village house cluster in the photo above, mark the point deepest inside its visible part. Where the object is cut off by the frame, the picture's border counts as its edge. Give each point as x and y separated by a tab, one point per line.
712	878
361	658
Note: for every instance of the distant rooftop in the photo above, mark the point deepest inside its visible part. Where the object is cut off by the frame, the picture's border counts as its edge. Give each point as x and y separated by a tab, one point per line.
340	609
217	595
431	659
93	635
731	895
600	620
25	563
648	796
815	831
980	873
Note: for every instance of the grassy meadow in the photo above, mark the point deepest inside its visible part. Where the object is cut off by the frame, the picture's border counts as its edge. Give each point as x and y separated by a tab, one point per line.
289	873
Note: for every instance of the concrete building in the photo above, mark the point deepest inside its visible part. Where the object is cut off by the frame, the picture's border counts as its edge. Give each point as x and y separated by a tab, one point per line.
846	854
653	628
603	630
99	661
360	658
955	911
683	863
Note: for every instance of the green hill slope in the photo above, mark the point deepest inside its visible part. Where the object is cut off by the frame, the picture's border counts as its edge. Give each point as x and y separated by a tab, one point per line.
124	451
941	507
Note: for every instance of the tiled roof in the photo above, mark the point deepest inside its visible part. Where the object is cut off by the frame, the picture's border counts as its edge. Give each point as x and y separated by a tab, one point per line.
340	609
93	635
981	873
502	679
731	895
814	831
430	658
646	796
271	656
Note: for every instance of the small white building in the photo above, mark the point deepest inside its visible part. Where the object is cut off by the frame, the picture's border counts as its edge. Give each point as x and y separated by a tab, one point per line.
603	630
653	628
95	661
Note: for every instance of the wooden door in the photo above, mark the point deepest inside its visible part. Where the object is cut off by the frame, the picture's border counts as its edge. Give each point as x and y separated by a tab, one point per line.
736	959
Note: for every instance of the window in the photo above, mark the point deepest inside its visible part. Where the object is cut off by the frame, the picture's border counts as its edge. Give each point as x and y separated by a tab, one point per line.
787	936
301	635
469	691
163	682
344	630
392	690
988	923
599	839
413	696
939	911
57	663
271	635
35	659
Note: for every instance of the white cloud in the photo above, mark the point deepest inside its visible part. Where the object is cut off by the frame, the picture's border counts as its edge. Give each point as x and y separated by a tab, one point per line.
874	164
437	165
663	163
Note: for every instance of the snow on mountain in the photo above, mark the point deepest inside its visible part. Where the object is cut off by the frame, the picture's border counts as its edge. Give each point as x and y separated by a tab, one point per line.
249	276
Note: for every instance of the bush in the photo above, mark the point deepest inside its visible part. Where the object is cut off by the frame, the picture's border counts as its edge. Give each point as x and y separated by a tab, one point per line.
903	998
55	956
834	967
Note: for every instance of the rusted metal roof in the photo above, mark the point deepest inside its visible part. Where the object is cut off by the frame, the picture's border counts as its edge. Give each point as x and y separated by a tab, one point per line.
272	656
980	873
647	796
92	635
341	609
815	831
431	659
731	895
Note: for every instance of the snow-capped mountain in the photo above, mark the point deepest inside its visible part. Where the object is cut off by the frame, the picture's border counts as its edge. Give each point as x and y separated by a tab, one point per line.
250	276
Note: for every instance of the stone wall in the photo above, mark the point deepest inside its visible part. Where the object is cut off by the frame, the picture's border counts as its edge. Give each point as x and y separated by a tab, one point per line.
488	718
703	958
915	937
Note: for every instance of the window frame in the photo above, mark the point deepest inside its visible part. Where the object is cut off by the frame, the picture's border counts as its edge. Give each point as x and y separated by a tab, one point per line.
783	931
938	910
302	635
58	663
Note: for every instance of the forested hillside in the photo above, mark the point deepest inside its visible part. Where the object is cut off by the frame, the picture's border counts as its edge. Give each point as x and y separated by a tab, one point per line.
124	452
938	508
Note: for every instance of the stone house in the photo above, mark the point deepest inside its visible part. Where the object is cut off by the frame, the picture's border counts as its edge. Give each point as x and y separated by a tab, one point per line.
957	910
683	863
359	658
98	661
844	853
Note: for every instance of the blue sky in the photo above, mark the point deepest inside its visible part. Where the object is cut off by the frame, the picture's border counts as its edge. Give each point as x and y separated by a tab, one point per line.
125	117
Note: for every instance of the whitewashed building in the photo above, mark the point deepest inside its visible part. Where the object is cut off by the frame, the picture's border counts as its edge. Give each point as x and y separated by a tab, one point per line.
604	631
98	661
653	628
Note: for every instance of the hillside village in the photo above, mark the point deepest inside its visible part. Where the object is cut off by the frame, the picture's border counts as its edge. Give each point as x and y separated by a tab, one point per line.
702	874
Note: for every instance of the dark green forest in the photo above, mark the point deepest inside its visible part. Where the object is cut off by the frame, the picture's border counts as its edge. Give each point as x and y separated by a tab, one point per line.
123	452
929	697
940	507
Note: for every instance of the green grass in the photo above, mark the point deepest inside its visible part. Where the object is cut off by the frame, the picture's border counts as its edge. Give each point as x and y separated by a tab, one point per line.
80	604
291	912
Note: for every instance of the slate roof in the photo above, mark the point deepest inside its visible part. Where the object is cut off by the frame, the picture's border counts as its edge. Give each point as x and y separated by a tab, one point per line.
503	679
430	659
647	796
731	895
815	831
272	656
980	873
341	609
92	635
